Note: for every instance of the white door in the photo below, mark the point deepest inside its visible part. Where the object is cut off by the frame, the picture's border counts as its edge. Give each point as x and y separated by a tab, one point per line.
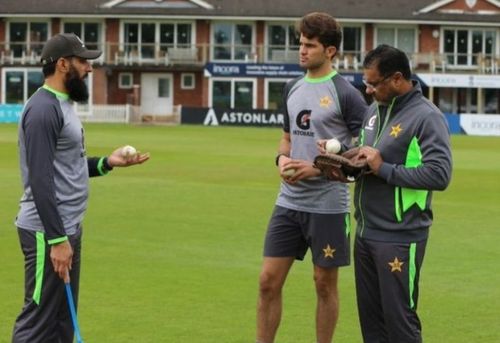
156	94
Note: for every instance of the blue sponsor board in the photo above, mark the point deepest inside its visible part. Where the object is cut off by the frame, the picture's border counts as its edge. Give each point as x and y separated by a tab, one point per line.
269	70
253	70
10	113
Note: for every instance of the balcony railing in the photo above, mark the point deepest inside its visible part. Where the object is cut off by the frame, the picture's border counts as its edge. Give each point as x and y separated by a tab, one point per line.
165	55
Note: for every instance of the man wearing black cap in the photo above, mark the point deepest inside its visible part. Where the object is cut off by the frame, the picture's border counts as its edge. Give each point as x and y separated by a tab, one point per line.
55	172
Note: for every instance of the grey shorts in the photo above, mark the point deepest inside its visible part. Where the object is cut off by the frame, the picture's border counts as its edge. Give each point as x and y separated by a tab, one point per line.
290	233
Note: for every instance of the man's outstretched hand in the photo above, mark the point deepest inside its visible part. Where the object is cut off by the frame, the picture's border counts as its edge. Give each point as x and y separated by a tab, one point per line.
119	159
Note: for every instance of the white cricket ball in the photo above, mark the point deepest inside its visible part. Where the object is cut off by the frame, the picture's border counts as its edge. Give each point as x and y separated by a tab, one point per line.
289	172
128	151
333	146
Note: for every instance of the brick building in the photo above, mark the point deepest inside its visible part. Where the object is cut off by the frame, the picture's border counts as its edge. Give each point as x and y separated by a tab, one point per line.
159	54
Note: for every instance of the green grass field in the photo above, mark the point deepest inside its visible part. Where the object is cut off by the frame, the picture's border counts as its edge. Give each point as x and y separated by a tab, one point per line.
172	249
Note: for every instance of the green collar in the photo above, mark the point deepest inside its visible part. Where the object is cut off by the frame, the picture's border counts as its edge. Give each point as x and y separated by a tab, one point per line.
321	79
59	95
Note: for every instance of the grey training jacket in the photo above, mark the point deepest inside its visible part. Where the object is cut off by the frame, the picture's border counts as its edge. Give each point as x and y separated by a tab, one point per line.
413	139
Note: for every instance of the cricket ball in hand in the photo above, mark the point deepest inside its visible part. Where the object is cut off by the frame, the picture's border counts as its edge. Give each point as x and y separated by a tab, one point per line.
128	151
333	146
289	172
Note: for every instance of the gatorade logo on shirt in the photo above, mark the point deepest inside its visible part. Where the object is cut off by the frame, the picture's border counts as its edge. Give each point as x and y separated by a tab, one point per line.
371	123
304	119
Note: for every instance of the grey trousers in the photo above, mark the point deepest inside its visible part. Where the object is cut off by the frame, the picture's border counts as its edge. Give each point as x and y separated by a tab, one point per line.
45	316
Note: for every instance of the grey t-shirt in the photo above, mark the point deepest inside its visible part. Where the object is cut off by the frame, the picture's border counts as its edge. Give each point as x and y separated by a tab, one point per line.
319	109
53	165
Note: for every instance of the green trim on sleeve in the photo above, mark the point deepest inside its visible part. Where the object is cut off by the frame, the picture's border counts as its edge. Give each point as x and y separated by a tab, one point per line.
40	266
412	272
100	167
57	240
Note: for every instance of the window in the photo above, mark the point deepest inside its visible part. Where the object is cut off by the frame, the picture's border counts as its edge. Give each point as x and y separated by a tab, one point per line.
140	40
458	43
274	94
175	35
464	100
221	94
125	80
455	46
15	86
467	100
19	84
183	35
164	88
143	40
18	38
27	38
446	100
491	101
283	43
401	38
148	40
236	93
351	41
232	41
187	81
88	32
131	37
243	94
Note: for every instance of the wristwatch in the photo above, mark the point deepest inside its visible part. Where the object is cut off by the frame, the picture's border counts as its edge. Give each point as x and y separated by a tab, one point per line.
278	157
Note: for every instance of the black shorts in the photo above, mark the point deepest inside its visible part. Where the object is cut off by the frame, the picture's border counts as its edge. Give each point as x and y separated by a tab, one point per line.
290	233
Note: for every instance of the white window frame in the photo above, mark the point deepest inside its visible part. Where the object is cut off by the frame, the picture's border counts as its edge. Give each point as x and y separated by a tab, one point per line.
267	39
81	109
396	28
183	83
233	81
82	23
362	38
121	85
231	44
176	43
157	32
469	43
25	70
267	81
27	21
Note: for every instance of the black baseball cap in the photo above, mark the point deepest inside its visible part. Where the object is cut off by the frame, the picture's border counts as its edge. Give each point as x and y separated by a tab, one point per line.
66	45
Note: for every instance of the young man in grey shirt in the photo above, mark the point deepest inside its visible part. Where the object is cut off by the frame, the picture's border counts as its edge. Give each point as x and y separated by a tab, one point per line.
310	211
